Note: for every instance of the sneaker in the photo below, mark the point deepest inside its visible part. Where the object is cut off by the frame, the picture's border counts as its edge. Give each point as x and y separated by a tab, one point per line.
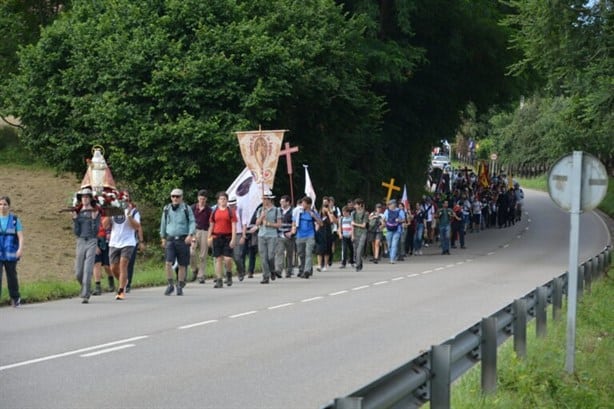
179	290
120	295
318	269
97	290
85	300
342	266
201	280
324	269
194	275
16	303
128	288
218	283
169	289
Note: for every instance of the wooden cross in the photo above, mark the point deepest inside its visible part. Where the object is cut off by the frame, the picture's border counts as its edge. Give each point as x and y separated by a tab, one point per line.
287	152
390	187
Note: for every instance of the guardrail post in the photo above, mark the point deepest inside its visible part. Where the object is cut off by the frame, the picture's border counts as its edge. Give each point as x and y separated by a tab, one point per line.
580	283
348	403
588	276
440	381
600	265
557	298
489	355
519	308
540	311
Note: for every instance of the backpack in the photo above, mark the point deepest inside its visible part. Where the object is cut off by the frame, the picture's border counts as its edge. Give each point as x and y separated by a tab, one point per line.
215	210
392	224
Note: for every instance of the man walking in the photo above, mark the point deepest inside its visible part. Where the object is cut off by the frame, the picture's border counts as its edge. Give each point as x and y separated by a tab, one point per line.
284	253
199	248
122	243
304	227
269	220
177	230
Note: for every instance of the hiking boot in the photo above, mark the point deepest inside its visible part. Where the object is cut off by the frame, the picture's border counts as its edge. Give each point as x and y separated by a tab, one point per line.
229	278
97	289
111	281
201	280
194	275
180	289
85	300
169	289
218	283
241	276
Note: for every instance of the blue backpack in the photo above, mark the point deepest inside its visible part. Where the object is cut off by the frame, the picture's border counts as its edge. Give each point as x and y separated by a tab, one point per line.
392	224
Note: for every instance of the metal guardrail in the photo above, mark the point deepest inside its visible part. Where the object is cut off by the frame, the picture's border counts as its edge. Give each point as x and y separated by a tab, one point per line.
428	377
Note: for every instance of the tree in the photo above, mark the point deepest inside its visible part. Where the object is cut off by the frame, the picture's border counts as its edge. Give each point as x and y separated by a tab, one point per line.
164	86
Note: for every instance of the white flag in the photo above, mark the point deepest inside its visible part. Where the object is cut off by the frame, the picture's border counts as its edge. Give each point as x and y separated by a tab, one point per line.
248	194
309	191
404	198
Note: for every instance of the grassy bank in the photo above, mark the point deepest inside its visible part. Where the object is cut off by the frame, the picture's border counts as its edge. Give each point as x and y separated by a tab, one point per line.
540	380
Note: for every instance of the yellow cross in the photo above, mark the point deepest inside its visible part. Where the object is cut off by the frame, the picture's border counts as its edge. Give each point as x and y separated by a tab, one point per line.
390	187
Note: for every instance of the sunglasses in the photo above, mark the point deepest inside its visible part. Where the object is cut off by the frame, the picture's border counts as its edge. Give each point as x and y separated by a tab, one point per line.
175	196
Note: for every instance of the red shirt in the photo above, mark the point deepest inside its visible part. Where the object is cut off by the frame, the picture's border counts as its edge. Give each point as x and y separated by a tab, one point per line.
223	220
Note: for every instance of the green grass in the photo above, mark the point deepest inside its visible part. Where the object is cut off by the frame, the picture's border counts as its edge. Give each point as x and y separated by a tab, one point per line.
537	183
540	380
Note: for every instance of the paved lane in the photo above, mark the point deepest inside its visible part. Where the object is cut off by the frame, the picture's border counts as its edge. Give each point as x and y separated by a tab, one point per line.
293	344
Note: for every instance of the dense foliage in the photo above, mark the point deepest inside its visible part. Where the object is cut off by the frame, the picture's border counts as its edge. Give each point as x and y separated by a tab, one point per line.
571	45
365	87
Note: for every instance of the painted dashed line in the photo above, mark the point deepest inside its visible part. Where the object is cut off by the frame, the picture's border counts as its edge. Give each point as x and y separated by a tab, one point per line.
526	228
362	287
108	350
468	260
458	263
312	299
274	307
439	268
426	271
529	221
519	237
78	351
450	265
412	275
398	278
243	314
506	246
197	324
338	293
492	253
380	283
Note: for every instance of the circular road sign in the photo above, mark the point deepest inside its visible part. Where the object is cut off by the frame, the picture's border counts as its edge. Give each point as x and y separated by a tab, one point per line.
493	156
594	182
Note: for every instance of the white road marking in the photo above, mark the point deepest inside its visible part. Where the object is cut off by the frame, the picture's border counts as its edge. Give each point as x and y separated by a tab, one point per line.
426	271
362	287
450	265
460	262
398	278
197	324
439	268
506	246
526	228
380	283
106	351
77	351
468	260
338	293
519	237
492	253
243	314
281	306
412	275
312	299
529	220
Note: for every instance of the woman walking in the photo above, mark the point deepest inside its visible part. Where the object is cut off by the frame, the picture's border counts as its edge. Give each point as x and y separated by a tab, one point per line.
11	248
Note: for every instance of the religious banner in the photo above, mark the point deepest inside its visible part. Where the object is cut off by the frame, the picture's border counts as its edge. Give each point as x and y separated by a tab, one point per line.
247	193
260	151
483	178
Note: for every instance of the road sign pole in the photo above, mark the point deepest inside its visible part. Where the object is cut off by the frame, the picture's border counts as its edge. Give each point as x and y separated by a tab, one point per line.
575	183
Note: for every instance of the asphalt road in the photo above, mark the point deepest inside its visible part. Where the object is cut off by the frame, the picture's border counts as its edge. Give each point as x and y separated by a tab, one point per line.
292	344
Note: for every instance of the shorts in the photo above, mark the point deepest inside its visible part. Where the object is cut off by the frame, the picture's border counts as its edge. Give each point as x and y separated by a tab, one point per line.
177	250
103	257
115	253
221	245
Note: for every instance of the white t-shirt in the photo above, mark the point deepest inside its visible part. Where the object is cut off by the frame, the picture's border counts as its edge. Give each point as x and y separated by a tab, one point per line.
122	233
